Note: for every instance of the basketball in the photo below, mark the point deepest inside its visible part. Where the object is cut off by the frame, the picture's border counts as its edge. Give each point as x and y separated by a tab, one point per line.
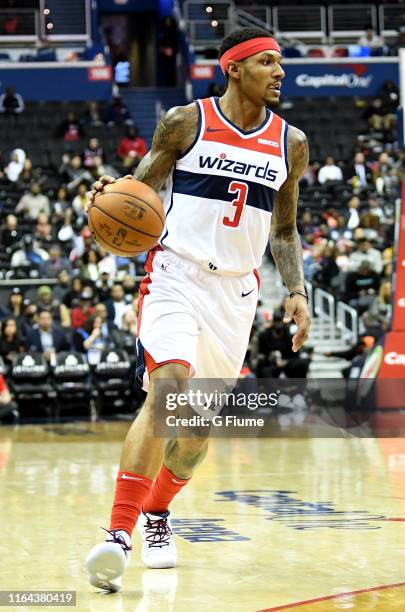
126	218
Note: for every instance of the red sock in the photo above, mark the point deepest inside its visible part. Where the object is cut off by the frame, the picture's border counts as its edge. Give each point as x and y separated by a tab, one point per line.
131	491
165	487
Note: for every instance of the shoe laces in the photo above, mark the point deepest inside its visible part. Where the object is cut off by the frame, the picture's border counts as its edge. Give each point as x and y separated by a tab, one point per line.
158	532
118	539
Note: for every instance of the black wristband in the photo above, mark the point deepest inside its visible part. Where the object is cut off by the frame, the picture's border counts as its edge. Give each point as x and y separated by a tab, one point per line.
298	292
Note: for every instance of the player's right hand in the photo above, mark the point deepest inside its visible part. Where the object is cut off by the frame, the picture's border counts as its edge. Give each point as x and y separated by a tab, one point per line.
99	186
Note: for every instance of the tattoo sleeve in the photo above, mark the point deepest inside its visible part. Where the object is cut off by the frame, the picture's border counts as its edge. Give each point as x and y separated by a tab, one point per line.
174	133
285	242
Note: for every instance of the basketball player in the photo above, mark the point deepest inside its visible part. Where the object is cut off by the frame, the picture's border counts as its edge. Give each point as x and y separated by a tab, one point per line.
233	168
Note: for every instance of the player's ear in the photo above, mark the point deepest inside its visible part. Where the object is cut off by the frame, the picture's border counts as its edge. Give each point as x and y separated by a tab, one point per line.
234	70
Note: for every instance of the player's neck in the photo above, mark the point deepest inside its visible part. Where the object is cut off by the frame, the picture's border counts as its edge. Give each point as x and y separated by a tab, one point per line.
241	111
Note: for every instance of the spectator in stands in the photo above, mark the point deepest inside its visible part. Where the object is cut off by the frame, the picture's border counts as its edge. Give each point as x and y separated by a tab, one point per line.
29	254
10	234
90	340
14	168
129	331
92	115
33	202
129	286
372	41
365	252
84	310
71	298
46	301
46	337
61	290
382	304
80	201
361	286
100	168
354	218
369	227
329	172
92	150
28	318
326	269
11	342
117	113
70	129
73	172
11	103
56	263
385	174
132	148
378	116
28	175
43	229
389	94
15	303
60	206
275	354
88	264
358	173
399	42
116	305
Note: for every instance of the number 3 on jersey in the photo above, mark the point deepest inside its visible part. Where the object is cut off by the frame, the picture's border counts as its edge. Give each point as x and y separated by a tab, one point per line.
241	189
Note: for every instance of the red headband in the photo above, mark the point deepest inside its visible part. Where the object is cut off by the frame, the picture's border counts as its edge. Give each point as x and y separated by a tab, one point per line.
248	48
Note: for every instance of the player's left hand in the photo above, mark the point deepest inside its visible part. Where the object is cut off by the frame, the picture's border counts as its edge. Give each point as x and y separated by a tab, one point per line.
296	309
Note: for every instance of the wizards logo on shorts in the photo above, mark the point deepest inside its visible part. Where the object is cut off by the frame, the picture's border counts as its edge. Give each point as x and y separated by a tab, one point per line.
237	167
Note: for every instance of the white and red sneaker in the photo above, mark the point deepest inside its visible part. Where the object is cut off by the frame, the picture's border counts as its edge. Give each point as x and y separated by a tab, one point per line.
158	545
107	561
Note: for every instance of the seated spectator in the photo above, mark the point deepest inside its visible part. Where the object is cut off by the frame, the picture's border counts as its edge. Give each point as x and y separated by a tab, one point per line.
329	172
56	263
15	303
116	305
88	265
389	94
354	219
80	200
10	234
117	113
60	206
385	174
371	41
29	254
108	328
71	298
43	229
27	175
33	202
61	290
358	174
89	339
327	268
84	310
275	354
377	116
129	286
369	227
11	103
365	252
129	331
70	129
101	168
15	167
132	148
11	342
46	301
93	149
382	304
28	318
361	286
46	337
92	115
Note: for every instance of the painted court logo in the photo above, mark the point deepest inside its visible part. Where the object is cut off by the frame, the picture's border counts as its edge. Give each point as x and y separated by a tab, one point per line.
284	507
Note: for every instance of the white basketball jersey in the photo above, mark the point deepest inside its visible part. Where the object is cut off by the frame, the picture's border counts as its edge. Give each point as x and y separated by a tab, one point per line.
219	202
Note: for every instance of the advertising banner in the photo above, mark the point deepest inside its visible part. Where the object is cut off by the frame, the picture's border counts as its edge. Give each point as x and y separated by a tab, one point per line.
51	81
315	78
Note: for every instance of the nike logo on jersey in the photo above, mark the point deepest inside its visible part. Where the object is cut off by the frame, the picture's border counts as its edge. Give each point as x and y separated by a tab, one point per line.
210	129
125	477
236	167
245	294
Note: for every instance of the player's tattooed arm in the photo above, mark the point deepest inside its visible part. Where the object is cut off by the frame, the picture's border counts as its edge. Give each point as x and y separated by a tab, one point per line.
284	239
173	135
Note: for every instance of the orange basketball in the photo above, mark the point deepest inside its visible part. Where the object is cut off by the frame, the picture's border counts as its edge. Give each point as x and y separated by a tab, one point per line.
126	218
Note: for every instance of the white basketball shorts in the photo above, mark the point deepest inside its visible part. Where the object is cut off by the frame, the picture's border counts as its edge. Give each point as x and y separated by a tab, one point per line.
191	316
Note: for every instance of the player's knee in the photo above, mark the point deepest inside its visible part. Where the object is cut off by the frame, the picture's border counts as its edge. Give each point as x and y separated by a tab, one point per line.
166	383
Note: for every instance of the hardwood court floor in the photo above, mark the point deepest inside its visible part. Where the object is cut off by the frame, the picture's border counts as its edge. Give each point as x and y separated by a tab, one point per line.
304	524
